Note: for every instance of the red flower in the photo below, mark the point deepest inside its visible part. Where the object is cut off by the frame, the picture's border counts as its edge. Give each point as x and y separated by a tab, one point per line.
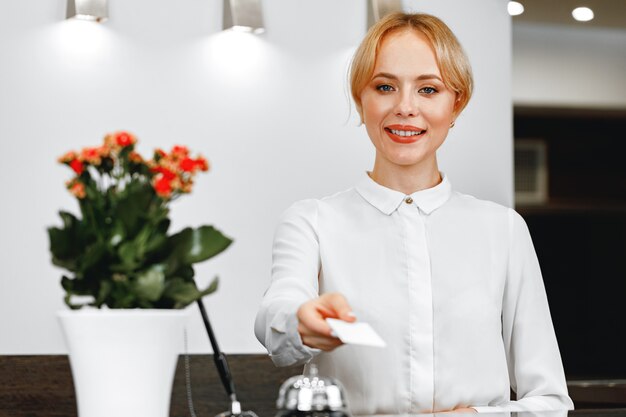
68	157
124	139
192	165
104	151
186	186
170	173
77	166
166	173
179	151
91	156
188	164
135	157
163	187
202	164
78	189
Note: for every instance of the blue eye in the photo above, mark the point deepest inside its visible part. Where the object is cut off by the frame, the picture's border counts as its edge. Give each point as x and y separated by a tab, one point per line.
428	90
384	87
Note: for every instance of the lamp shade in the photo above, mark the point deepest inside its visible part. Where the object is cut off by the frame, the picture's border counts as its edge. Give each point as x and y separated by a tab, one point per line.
377	9
244	15
96	10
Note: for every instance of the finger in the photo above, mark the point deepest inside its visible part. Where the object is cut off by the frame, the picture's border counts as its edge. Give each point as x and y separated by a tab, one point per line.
324	343
325	311
311	320
338	303
350	316
305	331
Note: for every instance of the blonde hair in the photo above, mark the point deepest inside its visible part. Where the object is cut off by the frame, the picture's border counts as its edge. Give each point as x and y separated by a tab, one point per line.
451	59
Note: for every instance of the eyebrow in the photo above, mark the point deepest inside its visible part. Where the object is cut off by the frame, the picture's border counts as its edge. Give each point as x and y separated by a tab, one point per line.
421	77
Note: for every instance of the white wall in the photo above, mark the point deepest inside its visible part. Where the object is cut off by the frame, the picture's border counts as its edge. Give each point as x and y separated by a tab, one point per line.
271	113
563	66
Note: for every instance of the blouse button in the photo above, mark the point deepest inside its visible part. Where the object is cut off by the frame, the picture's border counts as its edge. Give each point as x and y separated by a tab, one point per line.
408	200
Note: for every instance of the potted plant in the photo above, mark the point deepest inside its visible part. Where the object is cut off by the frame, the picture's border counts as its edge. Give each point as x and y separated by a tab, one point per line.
134	276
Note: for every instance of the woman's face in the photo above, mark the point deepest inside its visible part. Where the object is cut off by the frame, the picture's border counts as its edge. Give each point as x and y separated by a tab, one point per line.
407	109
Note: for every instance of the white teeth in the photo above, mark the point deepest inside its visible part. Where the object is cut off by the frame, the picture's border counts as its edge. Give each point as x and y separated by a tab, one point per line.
406	132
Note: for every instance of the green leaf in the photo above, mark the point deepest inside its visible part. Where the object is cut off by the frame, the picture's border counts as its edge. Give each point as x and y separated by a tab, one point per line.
117	234
185	272
68	302
197	245
156	242
211	288
69	220
69	264
141	240
122	295
128	255
93	226
74	287
150	283
184	293
59	241
133	253
92	255
67	243
158	236
103	293
133	206
67	283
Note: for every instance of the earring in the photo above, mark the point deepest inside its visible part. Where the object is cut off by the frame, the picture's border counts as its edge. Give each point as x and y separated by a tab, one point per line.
451	124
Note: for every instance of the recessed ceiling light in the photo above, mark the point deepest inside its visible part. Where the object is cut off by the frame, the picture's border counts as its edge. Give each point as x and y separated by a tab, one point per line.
515	8
582	14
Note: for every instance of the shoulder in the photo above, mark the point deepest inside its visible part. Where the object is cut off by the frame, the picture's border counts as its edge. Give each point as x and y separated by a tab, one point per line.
310	207
487	212
308	210
477	206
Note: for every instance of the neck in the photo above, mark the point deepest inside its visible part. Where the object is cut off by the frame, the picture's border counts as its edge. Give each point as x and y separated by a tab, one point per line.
406	179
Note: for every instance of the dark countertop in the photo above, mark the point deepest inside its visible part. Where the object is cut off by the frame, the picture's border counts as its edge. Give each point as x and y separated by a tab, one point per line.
42	386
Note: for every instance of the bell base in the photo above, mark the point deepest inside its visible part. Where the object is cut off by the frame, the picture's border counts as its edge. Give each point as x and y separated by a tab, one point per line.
298	413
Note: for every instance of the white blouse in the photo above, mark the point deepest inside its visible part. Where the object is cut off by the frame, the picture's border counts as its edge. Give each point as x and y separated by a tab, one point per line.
450	282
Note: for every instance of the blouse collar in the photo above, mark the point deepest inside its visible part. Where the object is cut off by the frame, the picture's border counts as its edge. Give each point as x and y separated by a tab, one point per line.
387	200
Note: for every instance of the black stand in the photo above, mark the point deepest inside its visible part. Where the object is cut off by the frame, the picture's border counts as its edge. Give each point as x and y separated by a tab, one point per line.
222	368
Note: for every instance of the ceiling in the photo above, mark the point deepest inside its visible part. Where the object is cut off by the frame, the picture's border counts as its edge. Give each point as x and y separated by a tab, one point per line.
608	13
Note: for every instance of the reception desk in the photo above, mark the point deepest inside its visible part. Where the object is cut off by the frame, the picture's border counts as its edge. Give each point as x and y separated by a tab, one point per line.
41	386
609	412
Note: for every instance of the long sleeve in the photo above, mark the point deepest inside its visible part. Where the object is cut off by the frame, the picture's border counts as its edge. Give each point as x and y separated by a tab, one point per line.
295	269
534	362
450	282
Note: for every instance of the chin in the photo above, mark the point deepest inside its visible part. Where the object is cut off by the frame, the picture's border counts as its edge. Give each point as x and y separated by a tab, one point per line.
407	159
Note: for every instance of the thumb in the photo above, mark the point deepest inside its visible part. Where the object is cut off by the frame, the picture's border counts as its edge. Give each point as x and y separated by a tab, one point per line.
338	303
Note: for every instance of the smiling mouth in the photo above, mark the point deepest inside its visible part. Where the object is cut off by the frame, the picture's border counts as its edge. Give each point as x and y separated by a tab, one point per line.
406	133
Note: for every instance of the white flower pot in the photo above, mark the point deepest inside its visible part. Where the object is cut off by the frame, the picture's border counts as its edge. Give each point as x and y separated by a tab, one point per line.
123	361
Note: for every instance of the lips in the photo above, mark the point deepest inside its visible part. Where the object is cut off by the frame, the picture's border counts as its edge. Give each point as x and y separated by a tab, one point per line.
404	133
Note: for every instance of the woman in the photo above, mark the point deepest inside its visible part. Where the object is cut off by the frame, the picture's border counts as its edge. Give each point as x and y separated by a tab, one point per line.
450	282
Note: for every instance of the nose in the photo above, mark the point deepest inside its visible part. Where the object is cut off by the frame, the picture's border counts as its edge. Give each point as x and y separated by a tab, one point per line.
407	105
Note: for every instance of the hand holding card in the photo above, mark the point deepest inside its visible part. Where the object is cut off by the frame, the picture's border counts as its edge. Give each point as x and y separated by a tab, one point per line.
357	333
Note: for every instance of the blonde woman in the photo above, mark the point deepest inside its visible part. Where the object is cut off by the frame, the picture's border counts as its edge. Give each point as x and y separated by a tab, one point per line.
450	282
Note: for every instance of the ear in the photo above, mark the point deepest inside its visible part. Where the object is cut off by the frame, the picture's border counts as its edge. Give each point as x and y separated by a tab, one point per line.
359	110
457	105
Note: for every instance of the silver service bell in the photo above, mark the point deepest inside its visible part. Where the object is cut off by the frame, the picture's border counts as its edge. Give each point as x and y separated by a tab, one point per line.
311	395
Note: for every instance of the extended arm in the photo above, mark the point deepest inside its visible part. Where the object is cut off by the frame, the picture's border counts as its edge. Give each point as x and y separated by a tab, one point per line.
295	269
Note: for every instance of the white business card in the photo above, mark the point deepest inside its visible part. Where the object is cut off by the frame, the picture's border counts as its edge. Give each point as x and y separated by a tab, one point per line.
357	333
